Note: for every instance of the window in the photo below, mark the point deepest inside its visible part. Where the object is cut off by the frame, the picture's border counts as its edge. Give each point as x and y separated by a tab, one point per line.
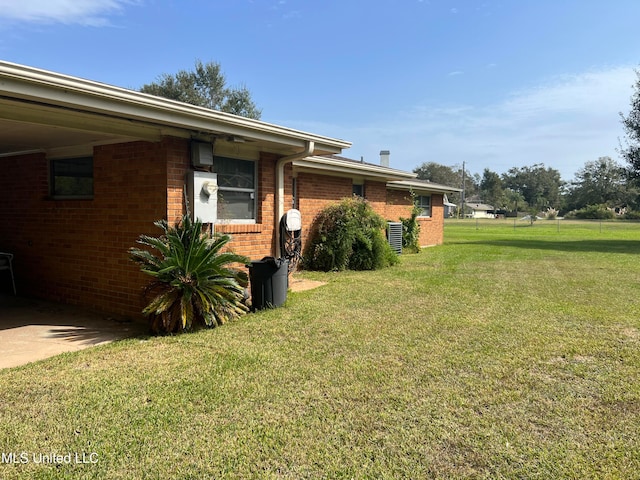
424	204
72	177
358	190
236	188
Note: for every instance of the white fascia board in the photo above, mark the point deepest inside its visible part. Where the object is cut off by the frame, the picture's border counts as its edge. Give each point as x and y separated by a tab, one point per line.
332	166
47	87
418	186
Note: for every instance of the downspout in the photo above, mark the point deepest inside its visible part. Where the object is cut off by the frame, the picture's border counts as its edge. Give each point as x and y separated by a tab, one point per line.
279	200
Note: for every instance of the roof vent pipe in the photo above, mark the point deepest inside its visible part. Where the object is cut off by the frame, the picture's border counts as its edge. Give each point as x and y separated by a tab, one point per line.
384	157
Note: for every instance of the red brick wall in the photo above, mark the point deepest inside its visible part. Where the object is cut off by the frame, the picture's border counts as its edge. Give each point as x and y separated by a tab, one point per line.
376	195
178	161
76	251
315	192
431	228
398	205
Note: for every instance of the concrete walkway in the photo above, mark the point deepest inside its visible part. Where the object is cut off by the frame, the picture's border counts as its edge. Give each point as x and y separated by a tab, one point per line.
33	330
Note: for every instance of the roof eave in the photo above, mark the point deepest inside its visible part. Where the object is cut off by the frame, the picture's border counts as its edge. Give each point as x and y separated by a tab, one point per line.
419	186
339	167
45	87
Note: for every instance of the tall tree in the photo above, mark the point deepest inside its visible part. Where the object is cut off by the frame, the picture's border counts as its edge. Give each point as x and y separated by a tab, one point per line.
436	173
631	125
539	186
491	189
514	201
450	176
206	86
600	182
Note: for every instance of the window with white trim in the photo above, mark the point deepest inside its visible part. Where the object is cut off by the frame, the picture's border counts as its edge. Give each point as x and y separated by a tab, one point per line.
423	202
71	177
236	189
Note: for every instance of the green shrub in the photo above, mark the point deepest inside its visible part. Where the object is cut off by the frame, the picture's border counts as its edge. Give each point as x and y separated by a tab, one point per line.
411	230
592	212
193	284
632	215
348	235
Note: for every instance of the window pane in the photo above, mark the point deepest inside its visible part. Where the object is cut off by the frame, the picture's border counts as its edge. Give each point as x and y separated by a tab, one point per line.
424	203
234	173
235	205
72	176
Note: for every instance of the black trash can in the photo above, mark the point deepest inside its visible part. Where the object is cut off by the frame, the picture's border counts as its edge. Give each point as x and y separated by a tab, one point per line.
269	282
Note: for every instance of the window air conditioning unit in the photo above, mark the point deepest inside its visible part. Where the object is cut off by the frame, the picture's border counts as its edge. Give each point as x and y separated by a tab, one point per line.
201	154
394	236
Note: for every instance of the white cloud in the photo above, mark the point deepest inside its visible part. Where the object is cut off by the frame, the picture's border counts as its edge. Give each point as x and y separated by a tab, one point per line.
292	15
562	123
84	12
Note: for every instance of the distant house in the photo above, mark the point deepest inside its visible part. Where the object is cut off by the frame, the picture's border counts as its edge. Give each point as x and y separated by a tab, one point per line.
480	210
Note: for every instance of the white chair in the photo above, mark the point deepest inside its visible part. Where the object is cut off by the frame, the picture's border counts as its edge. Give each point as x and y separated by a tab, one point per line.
5	264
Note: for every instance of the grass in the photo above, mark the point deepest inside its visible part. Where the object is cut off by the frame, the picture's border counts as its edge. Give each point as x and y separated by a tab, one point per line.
505	353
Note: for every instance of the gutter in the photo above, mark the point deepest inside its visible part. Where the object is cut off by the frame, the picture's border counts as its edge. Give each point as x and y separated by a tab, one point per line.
19	82
279	192
341	167
421	186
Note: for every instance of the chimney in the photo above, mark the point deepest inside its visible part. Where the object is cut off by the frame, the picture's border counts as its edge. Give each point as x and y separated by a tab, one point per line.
384	157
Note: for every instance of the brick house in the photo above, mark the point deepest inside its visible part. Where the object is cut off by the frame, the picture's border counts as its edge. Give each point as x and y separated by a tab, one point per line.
87	167
321	180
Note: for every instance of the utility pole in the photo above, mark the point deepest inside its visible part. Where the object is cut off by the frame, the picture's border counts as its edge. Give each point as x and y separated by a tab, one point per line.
463	190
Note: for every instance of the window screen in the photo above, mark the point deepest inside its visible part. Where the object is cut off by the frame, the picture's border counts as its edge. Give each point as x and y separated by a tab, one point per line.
424	203
236	188
72	177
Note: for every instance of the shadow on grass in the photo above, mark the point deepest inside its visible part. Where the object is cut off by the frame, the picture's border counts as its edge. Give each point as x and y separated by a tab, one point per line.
601	246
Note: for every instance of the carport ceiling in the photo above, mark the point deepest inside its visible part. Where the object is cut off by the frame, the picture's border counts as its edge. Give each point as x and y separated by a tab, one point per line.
22	137
27	126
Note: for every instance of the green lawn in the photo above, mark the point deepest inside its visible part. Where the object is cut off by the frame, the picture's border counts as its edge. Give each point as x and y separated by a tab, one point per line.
508	352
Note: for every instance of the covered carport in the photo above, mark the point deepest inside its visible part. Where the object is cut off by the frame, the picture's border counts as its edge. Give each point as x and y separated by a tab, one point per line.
128	156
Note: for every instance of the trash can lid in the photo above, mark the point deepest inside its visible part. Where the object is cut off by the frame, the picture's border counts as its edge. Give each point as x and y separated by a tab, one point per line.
271	261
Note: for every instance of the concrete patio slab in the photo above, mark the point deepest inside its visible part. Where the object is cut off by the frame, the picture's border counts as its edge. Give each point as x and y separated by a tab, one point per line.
32	330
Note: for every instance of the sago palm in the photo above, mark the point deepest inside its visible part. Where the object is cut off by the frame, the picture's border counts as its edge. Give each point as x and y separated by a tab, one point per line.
194	283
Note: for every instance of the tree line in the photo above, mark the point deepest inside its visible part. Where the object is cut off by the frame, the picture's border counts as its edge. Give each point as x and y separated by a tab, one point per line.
602	188
538	189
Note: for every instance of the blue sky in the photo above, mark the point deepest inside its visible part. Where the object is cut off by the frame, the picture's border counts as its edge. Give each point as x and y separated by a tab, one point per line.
494	83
